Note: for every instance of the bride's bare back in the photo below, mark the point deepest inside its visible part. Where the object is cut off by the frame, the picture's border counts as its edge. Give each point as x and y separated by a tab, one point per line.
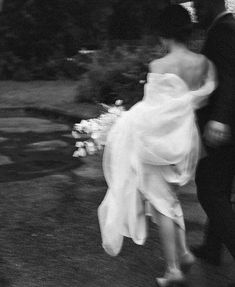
189	66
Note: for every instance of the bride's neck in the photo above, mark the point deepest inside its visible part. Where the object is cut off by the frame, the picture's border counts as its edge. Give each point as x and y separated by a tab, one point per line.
176	47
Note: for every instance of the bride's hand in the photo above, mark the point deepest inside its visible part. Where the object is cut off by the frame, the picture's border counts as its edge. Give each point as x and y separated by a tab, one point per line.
217	133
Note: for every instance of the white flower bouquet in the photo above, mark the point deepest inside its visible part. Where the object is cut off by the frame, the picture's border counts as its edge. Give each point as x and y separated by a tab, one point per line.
95	130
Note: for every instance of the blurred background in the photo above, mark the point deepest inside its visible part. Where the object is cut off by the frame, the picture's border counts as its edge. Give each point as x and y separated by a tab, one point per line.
75	39
59	59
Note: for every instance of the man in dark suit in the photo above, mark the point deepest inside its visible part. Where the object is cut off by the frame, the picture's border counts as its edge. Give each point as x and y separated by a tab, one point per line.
216	170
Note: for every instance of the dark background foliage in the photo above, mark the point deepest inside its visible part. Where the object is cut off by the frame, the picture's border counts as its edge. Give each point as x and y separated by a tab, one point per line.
36	36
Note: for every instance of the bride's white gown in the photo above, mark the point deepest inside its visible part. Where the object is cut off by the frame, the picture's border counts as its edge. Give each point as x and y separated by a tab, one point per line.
151	149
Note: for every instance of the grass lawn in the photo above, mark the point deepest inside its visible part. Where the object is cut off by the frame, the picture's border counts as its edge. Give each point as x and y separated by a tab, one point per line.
50	94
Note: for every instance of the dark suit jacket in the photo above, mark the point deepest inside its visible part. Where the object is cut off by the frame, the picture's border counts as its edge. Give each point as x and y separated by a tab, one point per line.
219	47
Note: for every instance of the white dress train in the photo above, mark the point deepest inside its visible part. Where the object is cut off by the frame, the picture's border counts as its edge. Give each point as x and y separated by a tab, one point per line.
151	149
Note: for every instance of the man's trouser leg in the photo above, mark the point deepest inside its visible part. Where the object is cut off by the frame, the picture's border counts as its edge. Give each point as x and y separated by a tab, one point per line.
214	180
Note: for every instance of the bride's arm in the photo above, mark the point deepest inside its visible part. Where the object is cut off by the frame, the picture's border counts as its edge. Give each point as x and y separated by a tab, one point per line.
200	96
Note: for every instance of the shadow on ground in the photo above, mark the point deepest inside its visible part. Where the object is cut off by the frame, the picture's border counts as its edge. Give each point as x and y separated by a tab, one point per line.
33	146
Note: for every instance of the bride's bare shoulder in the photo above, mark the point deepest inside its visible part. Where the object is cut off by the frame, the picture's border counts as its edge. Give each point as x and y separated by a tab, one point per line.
199	63
199	59
190	66
159	66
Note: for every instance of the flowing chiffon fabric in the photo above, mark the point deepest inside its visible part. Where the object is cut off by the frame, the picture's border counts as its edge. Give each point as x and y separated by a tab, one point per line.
151	149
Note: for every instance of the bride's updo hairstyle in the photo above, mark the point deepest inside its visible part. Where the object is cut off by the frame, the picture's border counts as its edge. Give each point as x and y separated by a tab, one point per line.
175	23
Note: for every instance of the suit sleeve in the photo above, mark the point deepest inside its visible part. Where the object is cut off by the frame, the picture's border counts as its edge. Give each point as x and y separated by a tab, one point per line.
224	48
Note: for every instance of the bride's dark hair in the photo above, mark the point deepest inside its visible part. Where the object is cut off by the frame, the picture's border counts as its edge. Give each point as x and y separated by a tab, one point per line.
175	23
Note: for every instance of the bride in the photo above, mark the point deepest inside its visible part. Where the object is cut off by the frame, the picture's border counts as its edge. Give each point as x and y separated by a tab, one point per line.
153	149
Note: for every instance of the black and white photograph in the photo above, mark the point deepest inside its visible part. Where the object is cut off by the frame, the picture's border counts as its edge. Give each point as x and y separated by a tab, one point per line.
117	143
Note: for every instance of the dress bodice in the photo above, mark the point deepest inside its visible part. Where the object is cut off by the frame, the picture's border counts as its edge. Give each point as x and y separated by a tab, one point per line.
162	88
168	88
166	79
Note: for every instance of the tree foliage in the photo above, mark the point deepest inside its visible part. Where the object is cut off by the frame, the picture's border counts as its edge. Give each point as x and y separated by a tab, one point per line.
34	32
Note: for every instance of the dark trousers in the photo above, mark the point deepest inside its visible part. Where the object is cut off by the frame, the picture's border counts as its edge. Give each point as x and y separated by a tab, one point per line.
214	179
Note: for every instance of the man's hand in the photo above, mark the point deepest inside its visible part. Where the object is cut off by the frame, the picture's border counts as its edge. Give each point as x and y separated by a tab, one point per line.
217	133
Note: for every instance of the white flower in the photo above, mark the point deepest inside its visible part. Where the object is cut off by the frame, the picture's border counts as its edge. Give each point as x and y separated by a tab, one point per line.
83	122
95	126
76	154
119	102
75	135
95	136
85	126
86	143
102	117
113	110
97	130
79	144
91	148
81	152
78	127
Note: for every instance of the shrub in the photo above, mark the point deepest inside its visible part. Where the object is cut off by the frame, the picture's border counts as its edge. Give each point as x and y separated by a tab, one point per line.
59	67
116	75
9	63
